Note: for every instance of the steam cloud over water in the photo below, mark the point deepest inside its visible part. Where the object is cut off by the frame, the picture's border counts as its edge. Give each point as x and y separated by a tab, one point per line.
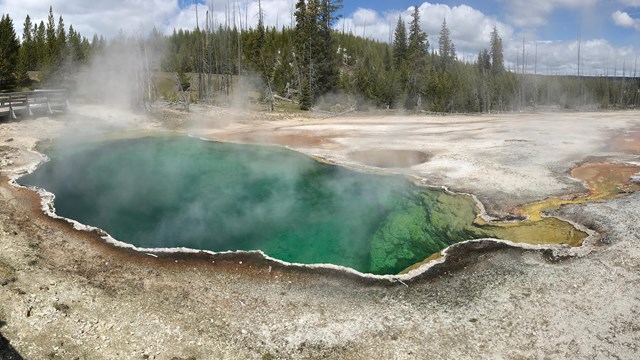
183	192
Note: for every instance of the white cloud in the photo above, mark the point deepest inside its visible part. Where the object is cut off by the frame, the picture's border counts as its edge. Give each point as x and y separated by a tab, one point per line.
623	19
471	32
527	13
276	12
597	57
101	17
632	3
470	28
368	23
365	16
107	17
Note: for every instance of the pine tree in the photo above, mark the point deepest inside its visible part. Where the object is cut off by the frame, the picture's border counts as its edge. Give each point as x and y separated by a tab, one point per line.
262	57
28	43
418	42
25	54
301	44
484	61
398	81
9	48
497	55
387	62
51	42
61	41
364	81
483	91
75	50
399	44
313	45
259	38
57	67
328	62
300	40
40	46
446	49
316	54
388	85
22	77
305	95
98	43
417	51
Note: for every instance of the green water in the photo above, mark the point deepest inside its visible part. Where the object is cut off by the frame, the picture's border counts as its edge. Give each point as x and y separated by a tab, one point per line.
184	192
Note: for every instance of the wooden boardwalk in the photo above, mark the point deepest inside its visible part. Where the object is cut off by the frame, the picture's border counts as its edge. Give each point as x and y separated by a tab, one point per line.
32	103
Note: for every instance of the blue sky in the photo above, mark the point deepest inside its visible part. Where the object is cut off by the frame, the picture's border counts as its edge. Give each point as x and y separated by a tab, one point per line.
586	15
609	29
563	22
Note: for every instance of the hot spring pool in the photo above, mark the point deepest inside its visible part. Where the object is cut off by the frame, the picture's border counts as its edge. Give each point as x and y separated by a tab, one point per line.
185	192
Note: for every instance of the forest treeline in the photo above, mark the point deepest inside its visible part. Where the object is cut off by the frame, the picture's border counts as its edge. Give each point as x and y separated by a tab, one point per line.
49	48
311	64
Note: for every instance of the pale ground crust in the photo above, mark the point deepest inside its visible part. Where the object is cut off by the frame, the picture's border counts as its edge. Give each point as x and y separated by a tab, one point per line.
65	294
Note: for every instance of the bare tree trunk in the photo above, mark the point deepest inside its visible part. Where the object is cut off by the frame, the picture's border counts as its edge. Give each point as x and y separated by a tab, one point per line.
144	81
523	102
535	79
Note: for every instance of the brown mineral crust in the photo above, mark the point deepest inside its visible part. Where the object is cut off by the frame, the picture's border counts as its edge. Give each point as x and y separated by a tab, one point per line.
627	141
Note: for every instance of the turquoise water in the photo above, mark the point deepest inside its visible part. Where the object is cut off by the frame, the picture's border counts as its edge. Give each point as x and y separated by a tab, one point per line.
184	192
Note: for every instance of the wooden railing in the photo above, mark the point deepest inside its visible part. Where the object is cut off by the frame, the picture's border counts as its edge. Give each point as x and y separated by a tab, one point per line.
32	103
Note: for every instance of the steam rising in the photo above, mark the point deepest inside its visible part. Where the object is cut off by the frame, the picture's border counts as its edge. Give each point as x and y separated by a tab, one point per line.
181	192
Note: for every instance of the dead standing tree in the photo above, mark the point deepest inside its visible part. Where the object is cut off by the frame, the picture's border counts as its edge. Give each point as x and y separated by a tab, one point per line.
146	88
202	64
215	55
266	66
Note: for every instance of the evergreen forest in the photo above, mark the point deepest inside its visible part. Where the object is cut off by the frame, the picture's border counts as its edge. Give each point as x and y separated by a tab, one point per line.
311	65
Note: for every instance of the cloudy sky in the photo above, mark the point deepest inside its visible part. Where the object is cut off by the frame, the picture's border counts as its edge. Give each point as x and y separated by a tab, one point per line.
609	29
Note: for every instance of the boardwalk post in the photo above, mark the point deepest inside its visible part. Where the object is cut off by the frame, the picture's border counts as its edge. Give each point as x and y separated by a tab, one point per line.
49	111
29	106
12	113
